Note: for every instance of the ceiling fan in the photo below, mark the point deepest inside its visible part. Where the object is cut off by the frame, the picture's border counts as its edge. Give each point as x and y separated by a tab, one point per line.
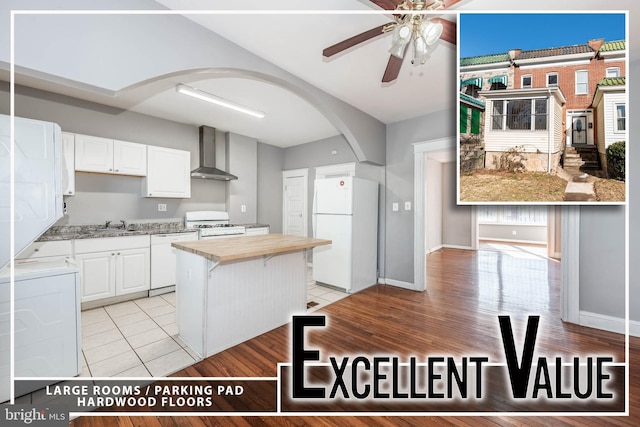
422	29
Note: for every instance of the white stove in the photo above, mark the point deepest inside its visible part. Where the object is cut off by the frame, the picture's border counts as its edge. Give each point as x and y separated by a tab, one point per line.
212	224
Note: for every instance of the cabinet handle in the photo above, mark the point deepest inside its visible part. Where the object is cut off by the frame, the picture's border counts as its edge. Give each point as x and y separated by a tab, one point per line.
36	250
117	170
113	254
118	253
110	170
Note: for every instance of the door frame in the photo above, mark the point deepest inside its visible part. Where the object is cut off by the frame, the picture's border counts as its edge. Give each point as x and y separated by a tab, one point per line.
420	206
304	173
570	235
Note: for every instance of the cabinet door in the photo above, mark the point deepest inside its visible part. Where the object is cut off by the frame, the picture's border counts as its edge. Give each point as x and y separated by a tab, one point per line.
129	158
93	154
168	173
68	164
132	271
97	275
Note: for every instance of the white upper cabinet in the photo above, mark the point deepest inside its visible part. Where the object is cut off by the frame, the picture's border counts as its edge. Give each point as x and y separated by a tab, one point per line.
129	158
104	155
68	164
168	173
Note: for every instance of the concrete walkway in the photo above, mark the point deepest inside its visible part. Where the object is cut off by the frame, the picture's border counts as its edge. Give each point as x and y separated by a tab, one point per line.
579	186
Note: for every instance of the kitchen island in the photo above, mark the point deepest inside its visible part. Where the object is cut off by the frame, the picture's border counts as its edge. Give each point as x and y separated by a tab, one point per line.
231	290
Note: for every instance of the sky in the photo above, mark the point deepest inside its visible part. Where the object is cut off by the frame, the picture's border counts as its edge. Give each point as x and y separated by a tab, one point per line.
484	34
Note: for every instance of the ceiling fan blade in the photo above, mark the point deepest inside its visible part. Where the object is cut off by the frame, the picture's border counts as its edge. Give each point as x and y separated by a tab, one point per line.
352	41
392	70
449	33
387	4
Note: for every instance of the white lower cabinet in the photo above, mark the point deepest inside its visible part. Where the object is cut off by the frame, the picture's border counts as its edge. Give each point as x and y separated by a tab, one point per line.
113	266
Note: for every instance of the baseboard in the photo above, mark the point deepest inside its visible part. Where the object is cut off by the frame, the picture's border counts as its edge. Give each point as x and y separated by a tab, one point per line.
600	321
557	255
436	248
634	328
469	248
533	242
398	283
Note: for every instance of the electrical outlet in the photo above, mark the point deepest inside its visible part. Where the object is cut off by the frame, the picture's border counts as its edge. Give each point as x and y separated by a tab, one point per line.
162	207
243	208
513	232
395	207
407	206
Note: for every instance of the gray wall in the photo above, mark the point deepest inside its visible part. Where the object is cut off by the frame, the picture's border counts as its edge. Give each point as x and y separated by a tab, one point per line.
602	260
433	202
399	188
270	167
243	163
149	47
313	154
456	220
102	197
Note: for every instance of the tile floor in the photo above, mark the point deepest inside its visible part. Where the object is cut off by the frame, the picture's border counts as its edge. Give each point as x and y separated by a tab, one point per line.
139	338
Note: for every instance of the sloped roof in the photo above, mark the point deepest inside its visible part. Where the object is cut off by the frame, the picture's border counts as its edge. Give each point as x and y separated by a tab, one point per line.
555	51
612	45
612	81
473	101
484	59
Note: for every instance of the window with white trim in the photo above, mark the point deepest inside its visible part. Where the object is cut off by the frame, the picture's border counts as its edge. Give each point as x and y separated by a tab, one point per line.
521	215
527	81
621	118
519	114
552	79
582	82
613	72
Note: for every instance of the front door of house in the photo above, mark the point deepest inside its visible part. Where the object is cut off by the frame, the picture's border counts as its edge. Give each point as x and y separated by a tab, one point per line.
579	130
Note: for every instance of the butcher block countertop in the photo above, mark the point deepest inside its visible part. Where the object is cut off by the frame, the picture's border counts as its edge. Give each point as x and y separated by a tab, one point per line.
238	248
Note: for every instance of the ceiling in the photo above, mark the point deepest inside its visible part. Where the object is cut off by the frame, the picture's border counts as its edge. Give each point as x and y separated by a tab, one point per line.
294	42
353	76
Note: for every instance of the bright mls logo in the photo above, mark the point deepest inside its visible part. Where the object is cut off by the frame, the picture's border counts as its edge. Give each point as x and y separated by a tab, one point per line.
20	415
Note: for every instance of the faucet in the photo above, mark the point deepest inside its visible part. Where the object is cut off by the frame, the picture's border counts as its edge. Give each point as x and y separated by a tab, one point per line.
107	224
123	224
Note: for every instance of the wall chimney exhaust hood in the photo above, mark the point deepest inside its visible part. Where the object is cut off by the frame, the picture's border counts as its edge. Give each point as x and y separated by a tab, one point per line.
207	168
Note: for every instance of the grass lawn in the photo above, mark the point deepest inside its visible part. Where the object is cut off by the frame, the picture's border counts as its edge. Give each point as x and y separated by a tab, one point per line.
498	186
609	190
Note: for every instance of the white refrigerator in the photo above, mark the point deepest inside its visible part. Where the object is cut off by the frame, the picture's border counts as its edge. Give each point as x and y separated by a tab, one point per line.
345	211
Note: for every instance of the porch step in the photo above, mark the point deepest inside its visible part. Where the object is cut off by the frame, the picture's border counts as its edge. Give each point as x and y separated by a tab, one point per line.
582	158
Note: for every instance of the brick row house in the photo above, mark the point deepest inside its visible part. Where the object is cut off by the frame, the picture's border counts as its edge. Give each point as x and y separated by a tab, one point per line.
543	101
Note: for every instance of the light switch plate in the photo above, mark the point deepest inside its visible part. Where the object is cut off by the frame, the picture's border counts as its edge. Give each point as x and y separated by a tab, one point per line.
395	207
407	206
243	208
162	207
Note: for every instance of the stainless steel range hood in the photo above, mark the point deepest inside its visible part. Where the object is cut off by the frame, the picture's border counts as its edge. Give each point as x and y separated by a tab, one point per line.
207	168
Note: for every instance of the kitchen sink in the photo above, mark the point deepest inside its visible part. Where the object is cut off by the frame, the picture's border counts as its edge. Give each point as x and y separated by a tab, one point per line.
112	230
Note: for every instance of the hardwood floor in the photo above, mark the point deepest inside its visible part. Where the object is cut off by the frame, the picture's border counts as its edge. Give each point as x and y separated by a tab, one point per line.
457	316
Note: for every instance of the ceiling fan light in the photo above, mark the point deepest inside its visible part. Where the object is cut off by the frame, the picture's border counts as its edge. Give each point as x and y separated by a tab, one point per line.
401	37
420	50
431	31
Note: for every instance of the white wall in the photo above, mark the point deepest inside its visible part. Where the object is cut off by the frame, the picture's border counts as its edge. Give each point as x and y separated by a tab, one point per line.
524	233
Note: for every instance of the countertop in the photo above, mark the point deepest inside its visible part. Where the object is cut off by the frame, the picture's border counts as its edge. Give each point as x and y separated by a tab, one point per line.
237	248
68	232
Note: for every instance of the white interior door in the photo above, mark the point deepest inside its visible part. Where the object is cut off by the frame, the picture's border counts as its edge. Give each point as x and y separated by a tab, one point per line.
294	213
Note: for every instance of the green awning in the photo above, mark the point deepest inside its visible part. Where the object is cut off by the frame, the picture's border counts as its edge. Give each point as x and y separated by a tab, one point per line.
477	81
499	79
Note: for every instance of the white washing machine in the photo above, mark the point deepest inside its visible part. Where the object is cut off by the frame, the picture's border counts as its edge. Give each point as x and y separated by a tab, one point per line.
47	339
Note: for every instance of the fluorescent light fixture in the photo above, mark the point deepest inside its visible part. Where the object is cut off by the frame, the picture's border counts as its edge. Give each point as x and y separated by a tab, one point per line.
206	96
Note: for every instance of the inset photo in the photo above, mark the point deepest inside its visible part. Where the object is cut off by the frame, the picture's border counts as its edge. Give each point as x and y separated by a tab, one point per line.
542	108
